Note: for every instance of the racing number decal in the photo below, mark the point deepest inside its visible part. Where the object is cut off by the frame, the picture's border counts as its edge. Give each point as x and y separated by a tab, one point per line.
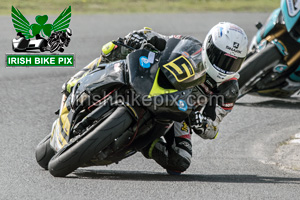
181	68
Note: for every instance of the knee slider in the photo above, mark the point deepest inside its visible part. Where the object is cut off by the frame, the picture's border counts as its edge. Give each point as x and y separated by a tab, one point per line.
179	160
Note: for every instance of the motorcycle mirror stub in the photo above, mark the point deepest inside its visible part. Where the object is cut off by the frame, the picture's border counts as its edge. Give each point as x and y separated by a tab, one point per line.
258	25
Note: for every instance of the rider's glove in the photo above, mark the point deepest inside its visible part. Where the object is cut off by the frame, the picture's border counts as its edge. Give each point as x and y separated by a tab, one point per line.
159	43
202	126
112	52
135	39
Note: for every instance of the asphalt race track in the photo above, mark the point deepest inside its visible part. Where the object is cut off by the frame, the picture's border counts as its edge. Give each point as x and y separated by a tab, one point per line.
239	164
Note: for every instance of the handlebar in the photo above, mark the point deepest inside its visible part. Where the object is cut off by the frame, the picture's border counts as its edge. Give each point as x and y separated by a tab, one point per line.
120	42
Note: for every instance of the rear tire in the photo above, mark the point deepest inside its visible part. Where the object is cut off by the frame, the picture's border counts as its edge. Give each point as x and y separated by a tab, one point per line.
75	154
44	152
269	56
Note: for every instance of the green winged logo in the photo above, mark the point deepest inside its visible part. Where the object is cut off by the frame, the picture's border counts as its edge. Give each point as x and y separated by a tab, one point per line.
22	25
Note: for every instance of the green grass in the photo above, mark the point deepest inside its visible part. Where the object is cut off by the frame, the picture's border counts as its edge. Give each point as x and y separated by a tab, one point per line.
137	6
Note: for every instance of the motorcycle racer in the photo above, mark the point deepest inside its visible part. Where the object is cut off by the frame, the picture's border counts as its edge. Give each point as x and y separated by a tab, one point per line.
223	51
61	37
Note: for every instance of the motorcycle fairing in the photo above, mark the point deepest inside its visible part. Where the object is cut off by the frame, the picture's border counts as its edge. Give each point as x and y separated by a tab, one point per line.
167	106
152	83
283	15
145	80
92	83
270	24
295	77
55	142
157	89
60	132
181	63
291	13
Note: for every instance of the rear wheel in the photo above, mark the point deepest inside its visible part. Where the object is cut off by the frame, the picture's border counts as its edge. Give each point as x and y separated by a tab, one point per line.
44	152
263	60
78	152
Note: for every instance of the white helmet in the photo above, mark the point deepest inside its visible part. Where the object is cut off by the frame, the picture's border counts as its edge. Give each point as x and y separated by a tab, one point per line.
69	32
224	50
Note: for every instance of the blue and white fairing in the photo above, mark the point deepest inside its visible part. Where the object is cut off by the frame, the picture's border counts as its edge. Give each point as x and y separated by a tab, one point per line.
269	25
290	10
264	31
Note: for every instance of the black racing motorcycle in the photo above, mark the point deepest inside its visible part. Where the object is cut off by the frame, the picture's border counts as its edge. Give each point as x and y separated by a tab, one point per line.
272	67
120	107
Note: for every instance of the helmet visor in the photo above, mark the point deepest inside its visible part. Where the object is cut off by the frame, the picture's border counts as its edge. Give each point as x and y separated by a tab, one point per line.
222	61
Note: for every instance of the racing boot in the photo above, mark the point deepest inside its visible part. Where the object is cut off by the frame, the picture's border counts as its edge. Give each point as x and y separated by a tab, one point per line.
293	82
175	154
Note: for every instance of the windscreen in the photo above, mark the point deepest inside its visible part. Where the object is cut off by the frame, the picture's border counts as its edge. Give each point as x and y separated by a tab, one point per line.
181	63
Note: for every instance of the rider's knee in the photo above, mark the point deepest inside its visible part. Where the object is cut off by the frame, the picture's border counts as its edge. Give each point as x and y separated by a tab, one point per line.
179	160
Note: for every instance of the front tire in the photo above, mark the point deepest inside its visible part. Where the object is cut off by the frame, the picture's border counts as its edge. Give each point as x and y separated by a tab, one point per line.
54	46
75	154
269	56
44	152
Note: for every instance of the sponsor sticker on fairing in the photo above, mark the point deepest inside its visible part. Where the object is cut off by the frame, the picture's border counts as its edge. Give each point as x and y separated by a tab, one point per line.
144	62
151	57
182	105
293	7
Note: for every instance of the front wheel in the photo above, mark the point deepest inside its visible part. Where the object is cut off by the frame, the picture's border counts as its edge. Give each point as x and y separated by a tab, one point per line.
44	152
54	46
78	152
268	57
